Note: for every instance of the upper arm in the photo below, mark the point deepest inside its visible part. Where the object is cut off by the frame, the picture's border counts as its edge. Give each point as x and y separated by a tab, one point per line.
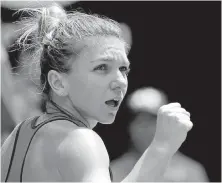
82	156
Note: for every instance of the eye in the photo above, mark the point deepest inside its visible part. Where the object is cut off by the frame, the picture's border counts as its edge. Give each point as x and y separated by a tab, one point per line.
101	67
124	69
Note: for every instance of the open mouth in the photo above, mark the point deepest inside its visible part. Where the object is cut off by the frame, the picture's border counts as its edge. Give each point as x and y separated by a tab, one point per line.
112	103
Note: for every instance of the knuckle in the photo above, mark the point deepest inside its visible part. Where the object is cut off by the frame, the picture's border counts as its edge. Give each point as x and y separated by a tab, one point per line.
161	110
170	115
182	122
177	103
177	118
186	124
190	124
190	127
183	109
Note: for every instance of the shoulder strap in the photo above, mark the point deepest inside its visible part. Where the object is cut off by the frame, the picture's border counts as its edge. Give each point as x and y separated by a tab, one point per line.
10	174
111	174
23	139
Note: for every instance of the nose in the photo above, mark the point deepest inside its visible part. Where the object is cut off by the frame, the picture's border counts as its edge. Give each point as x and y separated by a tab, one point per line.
120	82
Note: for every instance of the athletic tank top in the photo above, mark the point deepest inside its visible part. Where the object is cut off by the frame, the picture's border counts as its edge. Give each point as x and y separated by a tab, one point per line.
24	135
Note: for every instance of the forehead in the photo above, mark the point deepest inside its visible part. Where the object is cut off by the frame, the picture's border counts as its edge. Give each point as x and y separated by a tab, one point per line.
109	47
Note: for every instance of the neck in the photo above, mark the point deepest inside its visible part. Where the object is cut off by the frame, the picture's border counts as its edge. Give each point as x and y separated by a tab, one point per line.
66	106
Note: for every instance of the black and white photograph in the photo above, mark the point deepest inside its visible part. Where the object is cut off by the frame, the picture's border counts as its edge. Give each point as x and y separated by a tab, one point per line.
110	91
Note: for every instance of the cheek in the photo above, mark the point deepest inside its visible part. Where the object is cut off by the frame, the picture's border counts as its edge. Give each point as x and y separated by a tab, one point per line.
126	87
87	88
94	82
79	88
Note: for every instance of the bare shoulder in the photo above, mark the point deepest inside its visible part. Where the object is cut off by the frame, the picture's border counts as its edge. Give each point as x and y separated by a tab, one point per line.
82	140
82	156
56	130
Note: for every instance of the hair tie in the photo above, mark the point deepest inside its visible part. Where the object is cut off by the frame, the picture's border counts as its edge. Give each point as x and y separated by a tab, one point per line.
46	46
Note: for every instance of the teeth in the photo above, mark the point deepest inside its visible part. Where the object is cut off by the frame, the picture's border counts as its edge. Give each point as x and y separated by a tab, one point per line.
114	104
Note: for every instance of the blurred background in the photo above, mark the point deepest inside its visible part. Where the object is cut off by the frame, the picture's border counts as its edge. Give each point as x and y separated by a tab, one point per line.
176	52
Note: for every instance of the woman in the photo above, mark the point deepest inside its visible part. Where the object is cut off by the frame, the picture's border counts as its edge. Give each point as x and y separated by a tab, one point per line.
84	67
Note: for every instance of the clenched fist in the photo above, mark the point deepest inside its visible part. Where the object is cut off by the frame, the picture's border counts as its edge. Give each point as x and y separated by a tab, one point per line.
173	123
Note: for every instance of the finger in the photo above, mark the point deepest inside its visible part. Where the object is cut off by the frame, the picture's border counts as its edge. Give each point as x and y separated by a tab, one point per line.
180	116
179	110
172	105
169	106
187	123
175	110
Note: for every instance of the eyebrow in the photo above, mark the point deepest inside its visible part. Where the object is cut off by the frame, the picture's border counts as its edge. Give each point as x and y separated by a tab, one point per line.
110	59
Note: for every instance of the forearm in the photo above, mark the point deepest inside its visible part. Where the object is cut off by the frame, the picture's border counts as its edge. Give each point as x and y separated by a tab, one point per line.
151	166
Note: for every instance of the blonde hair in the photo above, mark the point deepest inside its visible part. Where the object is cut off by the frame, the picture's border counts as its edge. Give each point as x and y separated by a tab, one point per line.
46	32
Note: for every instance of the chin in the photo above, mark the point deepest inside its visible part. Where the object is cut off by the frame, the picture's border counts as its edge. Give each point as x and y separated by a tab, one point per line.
108	119
106	122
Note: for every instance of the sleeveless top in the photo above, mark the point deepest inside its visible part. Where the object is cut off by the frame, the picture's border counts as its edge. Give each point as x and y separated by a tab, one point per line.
25	133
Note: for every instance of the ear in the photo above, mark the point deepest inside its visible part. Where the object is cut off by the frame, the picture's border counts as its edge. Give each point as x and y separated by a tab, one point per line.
58	83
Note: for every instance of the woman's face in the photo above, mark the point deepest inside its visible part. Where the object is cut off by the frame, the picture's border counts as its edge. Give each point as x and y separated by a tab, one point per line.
98	77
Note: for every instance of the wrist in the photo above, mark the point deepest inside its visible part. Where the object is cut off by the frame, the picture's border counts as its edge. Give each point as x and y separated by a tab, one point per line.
161	148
